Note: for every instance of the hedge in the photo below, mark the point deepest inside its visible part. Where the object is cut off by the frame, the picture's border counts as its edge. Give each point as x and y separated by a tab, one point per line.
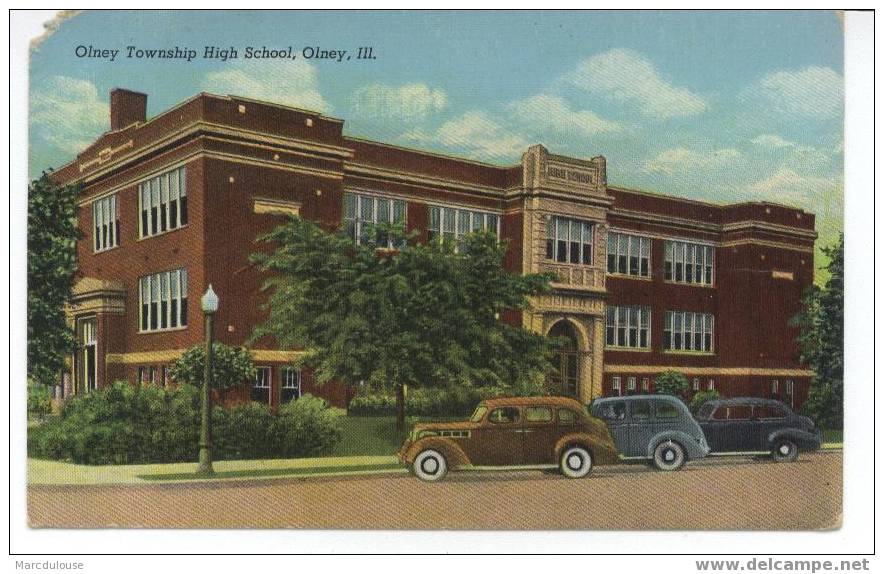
125	424
459	402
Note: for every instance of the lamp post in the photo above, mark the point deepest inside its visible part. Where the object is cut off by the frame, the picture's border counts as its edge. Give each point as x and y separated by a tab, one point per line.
210	305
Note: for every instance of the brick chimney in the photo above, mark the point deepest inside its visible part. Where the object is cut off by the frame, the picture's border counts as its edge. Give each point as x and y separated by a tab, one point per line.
126	108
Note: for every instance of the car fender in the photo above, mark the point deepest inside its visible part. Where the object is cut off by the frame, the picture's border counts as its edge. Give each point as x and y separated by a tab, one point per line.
454	455
805	440
692	449
602	452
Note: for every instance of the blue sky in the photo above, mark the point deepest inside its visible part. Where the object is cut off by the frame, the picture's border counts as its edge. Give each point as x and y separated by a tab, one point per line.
721	106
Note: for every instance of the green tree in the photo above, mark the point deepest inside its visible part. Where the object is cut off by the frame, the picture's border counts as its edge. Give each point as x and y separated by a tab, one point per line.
417	316
701	397
52	262
821	342
671	383
231	366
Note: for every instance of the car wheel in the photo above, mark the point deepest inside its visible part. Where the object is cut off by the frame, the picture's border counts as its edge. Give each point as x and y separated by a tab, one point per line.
430	466
576	462
669	456
784	450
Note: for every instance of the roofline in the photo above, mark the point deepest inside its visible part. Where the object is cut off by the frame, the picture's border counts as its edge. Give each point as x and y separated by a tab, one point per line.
432	153
700	201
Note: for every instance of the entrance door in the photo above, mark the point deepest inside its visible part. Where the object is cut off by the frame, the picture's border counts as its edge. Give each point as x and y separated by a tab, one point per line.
564	379
86	356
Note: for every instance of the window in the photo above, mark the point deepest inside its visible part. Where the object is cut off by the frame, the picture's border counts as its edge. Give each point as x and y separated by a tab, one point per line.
665	410
163	298
105	223
790	385
774	387
538	414
147	375
478	414
291	384
569	240
641	409
612	411
362	211
261	389
687	331
628	326
567	417
646	384
768	412
163	202
711	386
630	384
696	384
615	385
629	254
451	224
166	377
685	262
504	415
739	413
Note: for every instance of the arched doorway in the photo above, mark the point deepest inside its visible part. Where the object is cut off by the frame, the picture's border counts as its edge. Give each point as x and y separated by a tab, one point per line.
566	376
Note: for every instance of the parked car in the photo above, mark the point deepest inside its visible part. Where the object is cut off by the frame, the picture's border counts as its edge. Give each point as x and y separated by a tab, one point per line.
535	432
658	428
757	426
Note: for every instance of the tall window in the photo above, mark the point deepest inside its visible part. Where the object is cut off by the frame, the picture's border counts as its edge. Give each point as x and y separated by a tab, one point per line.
569	240
163	298
685	262
163	202
291	384
106	223
687	331
261	388
628	326
629	254
451	224
615	385
362	211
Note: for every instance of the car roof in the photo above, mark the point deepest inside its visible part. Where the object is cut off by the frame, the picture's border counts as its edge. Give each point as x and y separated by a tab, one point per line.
668	398
754	401
531	401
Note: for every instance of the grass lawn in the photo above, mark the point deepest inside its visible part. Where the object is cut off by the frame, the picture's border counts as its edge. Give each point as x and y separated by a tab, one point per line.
833	437
375	436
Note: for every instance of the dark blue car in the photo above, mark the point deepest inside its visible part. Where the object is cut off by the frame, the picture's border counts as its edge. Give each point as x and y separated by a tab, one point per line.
757	426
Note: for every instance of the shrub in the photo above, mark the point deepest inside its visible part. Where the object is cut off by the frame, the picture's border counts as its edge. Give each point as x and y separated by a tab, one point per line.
125	424
701	397
457	401
231	366
39	399
671	383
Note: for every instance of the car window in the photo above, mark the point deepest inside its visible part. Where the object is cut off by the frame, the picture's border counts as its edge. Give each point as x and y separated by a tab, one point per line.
538	414
504	415
769	412
665	410
567	417
641	410
706	411
478	414
612	411
739	413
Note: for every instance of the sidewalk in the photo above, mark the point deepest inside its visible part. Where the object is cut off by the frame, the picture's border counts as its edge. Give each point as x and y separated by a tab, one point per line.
47	472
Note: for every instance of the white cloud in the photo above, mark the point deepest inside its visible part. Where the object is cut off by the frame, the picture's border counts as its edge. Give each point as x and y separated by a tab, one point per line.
293	83
814	91
549	112
685	161
822	195
67	113
406	102
625	75
476	133
771	141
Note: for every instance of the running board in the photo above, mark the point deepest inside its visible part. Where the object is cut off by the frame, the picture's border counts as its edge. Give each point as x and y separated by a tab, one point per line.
512	467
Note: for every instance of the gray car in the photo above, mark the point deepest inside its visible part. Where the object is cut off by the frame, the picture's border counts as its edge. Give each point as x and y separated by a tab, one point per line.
658	428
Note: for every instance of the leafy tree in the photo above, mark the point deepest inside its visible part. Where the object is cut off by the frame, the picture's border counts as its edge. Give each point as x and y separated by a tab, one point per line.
701	397
821	341
671	383
52	262
231	366
417	316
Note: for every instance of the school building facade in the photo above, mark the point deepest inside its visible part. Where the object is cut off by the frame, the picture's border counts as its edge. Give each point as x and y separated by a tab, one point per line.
645	282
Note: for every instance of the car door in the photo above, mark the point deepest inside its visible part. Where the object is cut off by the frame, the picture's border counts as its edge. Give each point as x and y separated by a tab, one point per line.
738	431
539	435
768	419
499	438
640	427
614	413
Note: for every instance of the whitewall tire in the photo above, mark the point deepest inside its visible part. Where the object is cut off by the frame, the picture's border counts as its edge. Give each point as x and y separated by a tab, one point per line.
576	462
669	456
430	466
784	450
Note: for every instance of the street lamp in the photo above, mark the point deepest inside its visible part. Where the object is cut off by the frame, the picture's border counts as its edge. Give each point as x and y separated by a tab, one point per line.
210	305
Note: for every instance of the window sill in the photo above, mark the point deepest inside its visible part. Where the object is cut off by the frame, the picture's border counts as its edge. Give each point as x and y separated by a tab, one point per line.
159	331
686	284
160	233
629	349
628	276
100	251
694	353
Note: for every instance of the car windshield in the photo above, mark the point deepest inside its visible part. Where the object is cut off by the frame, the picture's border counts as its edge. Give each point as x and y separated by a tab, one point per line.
705	411
478	414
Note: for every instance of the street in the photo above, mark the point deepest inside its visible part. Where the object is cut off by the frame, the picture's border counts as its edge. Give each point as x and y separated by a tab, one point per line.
715	493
